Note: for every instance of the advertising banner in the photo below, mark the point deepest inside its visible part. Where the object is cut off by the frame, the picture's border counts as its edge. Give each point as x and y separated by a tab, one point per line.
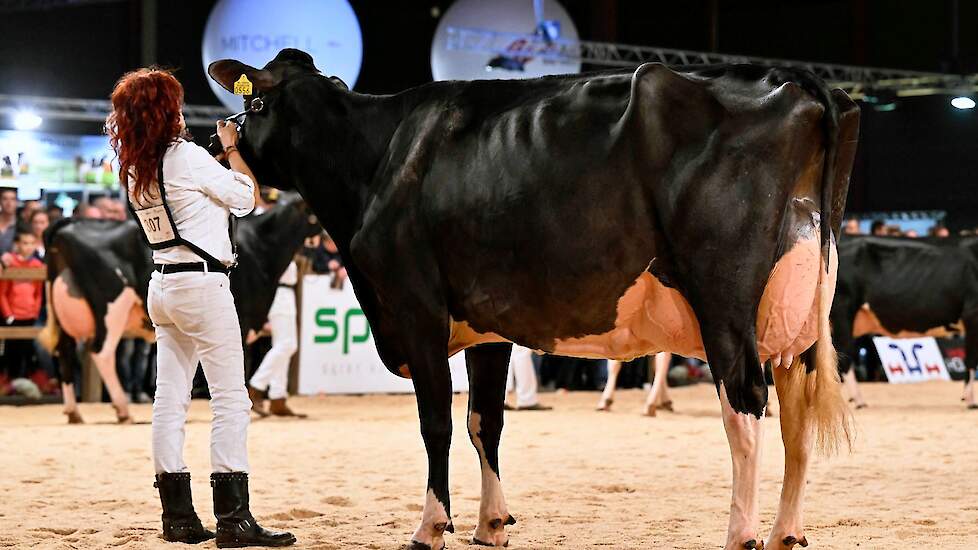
337	352
911	359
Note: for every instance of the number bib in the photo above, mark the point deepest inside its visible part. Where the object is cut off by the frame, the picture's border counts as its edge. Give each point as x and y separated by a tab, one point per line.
156	224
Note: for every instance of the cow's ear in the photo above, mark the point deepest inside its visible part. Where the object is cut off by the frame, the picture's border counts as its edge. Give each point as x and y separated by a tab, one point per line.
227	71
336	80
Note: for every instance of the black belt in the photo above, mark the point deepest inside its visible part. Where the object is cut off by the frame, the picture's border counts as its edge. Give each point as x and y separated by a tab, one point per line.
191	266
283	285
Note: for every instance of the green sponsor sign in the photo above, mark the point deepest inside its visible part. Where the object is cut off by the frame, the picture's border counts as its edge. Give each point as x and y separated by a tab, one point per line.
326	318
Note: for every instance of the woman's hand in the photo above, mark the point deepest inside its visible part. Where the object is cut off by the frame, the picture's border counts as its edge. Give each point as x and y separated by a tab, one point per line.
227	132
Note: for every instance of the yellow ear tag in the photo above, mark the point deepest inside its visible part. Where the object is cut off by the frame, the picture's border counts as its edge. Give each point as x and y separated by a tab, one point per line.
242	86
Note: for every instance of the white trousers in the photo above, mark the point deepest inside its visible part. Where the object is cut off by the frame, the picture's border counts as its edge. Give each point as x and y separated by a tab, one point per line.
522	377
195	319
273	373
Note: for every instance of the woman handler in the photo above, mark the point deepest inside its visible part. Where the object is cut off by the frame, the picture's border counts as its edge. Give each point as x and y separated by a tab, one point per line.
183	200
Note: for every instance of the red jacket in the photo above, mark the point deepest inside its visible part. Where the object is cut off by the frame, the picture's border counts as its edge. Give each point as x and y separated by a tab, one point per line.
21	299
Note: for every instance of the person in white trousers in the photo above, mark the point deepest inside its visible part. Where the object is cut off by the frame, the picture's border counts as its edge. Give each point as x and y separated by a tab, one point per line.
183	199
523	378
273	372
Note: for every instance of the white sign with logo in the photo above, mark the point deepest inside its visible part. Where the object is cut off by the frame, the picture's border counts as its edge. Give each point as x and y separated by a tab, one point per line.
253	32
911	359
337	352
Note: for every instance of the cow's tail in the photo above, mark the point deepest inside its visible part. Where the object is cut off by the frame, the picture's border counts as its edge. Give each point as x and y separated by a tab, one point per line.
832	416
48	337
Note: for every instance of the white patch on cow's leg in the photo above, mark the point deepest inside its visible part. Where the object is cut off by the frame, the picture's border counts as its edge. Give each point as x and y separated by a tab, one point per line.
434	521
116	318
796	433
745	436
493	512
659	394
608	395
852	388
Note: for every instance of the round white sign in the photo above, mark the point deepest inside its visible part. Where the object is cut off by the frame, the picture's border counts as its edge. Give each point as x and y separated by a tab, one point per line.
470	62
253	32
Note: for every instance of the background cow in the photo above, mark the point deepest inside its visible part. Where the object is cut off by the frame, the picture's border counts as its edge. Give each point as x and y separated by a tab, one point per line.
613	215
98	275
903	288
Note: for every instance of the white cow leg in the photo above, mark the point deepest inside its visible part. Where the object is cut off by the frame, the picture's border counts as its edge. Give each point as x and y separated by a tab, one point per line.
796	433
116	319
659	394
608	395
745	437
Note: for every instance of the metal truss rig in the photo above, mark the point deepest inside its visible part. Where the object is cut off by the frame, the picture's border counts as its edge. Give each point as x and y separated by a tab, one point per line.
859	82
94	110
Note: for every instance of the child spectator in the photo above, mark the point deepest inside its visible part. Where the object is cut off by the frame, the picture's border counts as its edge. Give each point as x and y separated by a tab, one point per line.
20	303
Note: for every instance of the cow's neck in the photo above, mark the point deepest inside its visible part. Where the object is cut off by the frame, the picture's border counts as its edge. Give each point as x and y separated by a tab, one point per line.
339	182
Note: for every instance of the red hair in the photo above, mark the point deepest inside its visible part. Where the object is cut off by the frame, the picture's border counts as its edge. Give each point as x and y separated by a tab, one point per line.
145	119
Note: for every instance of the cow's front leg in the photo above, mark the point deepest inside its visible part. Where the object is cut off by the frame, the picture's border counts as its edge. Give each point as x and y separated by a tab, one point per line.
487	366
433	389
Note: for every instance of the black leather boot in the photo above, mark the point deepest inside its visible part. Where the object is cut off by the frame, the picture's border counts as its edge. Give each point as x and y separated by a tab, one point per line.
236	527
180	521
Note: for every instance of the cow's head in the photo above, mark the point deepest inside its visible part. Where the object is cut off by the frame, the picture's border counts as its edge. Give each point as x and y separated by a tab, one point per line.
267	136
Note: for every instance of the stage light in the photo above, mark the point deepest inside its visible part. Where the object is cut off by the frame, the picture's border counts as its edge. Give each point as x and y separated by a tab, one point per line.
26	120
963	102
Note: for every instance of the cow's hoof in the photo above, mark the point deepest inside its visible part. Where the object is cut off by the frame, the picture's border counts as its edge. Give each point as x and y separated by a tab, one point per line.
495	535
124	419
790	541
649	410
667	406
605	405
754	545
477	542
74	417
415	545
973	406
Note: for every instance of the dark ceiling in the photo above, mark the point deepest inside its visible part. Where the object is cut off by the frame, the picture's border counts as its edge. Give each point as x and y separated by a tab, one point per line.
920	156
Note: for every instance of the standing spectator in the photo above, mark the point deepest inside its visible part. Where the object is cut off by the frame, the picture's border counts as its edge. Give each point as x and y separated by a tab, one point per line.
8	219
852	227
523	378
20	304
39	222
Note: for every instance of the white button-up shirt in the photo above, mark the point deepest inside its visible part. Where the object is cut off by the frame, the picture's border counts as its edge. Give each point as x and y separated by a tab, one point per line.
200	193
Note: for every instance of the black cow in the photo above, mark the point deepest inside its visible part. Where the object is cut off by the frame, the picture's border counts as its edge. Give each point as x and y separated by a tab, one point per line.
98	275
911	287
613	214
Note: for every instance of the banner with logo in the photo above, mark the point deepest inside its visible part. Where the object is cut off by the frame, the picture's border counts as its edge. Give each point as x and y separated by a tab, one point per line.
911	359
337	352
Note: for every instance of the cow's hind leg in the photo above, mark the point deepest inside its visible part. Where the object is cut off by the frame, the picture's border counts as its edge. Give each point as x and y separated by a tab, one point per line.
743	398
796	433
67	353
105	363
659	394
487	390
608	395
970	359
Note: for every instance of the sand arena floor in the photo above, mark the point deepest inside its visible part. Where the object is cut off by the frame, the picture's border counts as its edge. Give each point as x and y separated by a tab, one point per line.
352	475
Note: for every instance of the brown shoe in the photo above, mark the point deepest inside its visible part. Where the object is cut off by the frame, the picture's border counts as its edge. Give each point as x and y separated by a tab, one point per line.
278	407
257	401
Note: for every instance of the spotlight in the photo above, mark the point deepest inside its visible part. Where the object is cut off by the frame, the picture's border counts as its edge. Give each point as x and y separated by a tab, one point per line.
963	102
28	120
